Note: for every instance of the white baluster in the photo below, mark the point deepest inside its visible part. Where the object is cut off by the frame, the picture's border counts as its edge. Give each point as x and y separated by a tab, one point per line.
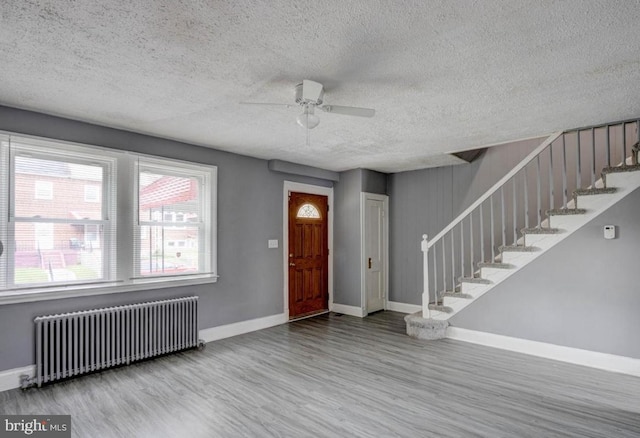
425	267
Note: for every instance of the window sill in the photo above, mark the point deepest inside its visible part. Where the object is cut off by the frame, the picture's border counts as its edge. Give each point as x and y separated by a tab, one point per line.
15	296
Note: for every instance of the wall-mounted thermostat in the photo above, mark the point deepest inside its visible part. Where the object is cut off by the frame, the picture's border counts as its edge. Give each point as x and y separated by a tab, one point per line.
609	231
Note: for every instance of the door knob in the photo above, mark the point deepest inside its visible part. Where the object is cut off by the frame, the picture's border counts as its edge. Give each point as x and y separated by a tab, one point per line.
291	264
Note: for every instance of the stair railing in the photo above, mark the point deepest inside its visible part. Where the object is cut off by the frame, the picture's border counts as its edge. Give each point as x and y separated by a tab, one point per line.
518	204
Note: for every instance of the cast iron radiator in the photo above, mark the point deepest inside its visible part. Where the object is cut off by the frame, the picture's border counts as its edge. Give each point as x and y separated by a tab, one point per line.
76	343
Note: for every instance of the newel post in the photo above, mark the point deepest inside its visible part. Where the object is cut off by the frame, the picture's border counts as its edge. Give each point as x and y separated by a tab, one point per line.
425	281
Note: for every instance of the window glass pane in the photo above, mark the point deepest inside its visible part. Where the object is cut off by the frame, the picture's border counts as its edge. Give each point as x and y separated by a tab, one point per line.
162	197
169	250
55	189
53	252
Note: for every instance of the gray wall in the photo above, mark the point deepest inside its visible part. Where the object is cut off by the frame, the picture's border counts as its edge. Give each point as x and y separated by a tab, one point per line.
582	293
347	246
346	239
249	213
425	201
374	182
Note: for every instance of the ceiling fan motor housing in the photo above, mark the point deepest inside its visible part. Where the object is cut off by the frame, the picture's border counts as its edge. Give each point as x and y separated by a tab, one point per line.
302	101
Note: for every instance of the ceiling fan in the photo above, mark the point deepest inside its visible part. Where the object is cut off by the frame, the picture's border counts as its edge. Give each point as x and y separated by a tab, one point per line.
310	95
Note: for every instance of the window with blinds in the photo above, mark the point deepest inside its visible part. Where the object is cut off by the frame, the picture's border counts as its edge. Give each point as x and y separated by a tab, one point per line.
173	223
69	217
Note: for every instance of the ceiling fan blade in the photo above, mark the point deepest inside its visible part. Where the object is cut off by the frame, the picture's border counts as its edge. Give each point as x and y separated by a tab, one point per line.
288	105
348	110
311	90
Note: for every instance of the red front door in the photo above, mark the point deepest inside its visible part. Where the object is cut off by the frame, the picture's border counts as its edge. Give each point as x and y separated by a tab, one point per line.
308	254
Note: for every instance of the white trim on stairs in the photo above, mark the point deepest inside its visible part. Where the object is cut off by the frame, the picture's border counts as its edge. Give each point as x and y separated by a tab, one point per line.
593	359
394	306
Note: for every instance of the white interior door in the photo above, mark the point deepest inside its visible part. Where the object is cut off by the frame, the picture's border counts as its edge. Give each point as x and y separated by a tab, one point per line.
375	251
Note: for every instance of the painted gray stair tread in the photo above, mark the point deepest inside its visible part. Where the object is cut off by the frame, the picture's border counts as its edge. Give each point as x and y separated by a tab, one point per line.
566	211
598	191
541	230
476	280
621	169
439	308
496	265
458	295
518	248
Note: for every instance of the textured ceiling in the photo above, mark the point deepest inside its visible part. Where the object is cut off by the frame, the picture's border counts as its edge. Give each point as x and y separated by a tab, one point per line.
443	76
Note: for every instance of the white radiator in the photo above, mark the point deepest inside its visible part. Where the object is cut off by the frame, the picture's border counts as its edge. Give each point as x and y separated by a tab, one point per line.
81	342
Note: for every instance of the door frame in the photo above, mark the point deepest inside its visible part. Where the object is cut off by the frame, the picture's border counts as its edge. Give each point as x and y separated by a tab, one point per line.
290	186
385	243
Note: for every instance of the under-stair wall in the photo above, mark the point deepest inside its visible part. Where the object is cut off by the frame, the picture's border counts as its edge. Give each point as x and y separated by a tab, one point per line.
583	293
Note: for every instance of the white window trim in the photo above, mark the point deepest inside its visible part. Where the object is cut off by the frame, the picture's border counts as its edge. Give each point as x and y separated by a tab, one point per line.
208	178
125	281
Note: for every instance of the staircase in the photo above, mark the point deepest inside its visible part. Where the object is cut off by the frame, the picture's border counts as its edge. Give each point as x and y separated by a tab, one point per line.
553	192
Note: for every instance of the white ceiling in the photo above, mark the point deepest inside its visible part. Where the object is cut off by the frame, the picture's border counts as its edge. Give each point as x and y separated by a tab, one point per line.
442	75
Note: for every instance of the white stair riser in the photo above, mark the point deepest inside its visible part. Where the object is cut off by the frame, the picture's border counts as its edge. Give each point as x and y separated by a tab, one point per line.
517	258
494	274
539	240
569	221
456	304
623	180
474	289
593	202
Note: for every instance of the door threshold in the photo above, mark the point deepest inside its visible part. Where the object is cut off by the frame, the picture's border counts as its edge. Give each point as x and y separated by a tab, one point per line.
310	315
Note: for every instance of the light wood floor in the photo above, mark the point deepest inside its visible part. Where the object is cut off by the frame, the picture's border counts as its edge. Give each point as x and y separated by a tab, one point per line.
339	376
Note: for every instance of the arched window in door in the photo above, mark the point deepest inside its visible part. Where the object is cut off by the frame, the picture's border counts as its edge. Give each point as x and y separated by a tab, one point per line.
308	211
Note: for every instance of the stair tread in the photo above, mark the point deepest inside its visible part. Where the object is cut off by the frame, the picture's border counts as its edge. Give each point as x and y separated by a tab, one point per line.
496	265
566	211
620	169
601	191
541	230
518	248
445	309
477	280
458	295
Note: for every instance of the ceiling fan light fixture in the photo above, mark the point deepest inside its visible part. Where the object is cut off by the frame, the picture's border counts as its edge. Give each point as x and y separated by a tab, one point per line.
308	119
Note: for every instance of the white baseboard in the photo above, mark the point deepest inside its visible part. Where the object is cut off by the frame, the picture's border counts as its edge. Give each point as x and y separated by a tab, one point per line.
594	359
242	327
347	310
10	379
403	307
